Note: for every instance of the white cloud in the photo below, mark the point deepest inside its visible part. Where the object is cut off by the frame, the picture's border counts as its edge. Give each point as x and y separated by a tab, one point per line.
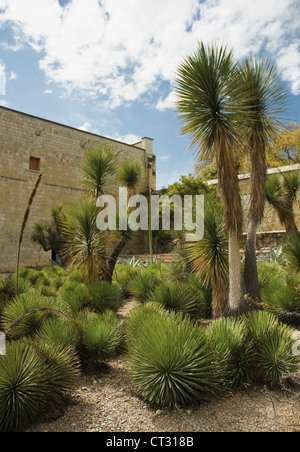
2	79
121	51
164	158
168	102
12	76
48	91
130	138
86	127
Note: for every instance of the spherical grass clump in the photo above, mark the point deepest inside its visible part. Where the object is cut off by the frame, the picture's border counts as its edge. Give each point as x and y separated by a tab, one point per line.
177	297
142	286
171	362
105	296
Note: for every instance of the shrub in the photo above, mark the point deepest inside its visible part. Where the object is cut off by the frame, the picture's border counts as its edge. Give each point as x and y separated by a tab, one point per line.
59	332
203	294
171	362
76	295
23	305
24	387
142	286
272	342
271	278
31	379
137	315
176	296
101	337
292	253
123	276
106	296
229	338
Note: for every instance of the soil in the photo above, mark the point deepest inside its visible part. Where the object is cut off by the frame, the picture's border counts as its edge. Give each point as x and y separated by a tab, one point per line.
109	402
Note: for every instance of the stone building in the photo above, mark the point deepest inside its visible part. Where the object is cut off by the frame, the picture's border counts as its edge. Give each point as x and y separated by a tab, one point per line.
270	232
30	146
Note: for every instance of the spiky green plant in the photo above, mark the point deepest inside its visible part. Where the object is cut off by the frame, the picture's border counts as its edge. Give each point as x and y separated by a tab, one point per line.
101	338
106	296
60	332
142	286
130	175
22	306
24	387
272	342
178	297
292	253
171	363
228	337
203	294
76	295
137	315
99	169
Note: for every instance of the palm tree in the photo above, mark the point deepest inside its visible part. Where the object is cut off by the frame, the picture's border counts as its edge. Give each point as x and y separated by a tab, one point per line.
213	108
99	169
282	192
209	258
268	99
85	245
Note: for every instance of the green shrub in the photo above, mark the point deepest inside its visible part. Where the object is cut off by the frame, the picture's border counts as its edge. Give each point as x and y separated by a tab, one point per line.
176	297
203	294
272	342
22	306
76	295
61	332
171	363
24	387
229	338
137	315
31	379
142	286
101	337
292	253
106	296
123	276
271	278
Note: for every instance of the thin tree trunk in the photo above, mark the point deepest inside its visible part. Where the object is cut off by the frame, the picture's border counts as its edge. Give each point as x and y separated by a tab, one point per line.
220	296
237	303
251	274
113	260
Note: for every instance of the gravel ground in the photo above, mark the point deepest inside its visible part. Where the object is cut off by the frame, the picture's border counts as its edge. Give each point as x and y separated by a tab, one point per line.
108	402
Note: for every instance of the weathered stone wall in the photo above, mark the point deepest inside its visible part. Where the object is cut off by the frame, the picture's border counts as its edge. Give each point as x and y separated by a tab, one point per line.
61	150
270	221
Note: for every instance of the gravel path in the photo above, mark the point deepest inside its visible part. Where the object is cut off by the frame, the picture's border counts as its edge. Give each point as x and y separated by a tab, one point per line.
108	402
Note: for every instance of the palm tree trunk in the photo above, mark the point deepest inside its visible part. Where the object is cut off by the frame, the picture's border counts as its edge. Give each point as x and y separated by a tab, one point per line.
251	274
219	296
237	303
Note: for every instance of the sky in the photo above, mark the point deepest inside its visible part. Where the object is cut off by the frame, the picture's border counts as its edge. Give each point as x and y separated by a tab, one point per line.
108	67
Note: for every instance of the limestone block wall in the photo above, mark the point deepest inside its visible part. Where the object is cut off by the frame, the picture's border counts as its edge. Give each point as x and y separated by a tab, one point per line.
60	150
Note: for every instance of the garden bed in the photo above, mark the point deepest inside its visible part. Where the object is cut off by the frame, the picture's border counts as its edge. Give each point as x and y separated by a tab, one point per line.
108	402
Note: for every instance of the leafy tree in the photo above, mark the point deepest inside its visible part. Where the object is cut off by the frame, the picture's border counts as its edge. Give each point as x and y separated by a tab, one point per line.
285	148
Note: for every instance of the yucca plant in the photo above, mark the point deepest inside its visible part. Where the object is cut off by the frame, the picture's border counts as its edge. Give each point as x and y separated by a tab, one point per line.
171	363
24	387
101	338
62	365
229	338
142	286
106	296
284	302
203	294
176	297
60	332
209	258
22	306
131	175
292	253
272	343
76	295
139	314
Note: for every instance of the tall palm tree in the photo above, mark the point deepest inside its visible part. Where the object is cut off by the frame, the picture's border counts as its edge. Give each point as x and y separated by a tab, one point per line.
99	170
209	258
282	192
269	97
213	107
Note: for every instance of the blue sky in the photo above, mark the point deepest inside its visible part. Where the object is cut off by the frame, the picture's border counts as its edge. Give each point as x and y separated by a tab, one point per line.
108	67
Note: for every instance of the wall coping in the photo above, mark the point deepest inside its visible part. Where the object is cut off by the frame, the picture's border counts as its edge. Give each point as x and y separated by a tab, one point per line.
281	169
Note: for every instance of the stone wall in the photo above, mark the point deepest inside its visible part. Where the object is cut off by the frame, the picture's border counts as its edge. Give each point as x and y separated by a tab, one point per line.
61	150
